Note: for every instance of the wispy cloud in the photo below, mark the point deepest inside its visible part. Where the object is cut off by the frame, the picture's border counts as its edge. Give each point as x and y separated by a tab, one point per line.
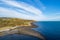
20	13
24	11
54	17
23	6
11	13
40	4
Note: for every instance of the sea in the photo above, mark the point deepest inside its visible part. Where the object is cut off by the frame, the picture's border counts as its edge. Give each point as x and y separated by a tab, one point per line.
49	29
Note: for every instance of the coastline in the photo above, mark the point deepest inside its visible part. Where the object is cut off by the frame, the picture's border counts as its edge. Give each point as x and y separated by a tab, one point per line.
25	30
2	32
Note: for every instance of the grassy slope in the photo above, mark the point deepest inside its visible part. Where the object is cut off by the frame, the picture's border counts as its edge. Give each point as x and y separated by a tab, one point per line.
4	22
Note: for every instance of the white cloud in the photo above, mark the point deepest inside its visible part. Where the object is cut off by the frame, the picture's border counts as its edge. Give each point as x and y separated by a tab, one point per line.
24	6
25	14
54	17
11	13
28	8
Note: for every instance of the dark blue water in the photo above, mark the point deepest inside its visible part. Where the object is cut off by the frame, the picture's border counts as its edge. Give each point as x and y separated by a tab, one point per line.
18	37
50	30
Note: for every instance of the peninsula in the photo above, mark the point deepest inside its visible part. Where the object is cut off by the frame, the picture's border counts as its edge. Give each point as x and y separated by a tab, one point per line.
18	26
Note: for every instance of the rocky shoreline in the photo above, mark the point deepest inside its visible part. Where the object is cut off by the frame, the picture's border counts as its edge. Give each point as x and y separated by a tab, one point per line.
15	29
22	30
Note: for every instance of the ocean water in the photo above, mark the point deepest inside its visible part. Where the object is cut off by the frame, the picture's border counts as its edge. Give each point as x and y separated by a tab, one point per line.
49	29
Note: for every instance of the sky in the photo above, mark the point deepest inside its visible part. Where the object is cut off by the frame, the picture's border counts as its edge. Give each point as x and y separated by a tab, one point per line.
39	10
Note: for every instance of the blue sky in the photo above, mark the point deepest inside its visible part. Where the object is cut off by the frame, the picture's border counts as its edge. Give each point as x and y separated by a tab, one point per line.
40	10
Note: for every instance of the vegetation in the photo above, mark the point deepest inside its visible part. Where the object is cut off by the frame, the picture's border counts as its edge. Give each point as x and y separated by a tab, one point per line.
4	21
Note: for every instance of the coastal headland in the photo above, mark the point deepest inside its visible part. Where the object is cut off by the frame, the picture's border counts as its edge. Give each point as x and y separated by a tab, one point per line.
18	26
